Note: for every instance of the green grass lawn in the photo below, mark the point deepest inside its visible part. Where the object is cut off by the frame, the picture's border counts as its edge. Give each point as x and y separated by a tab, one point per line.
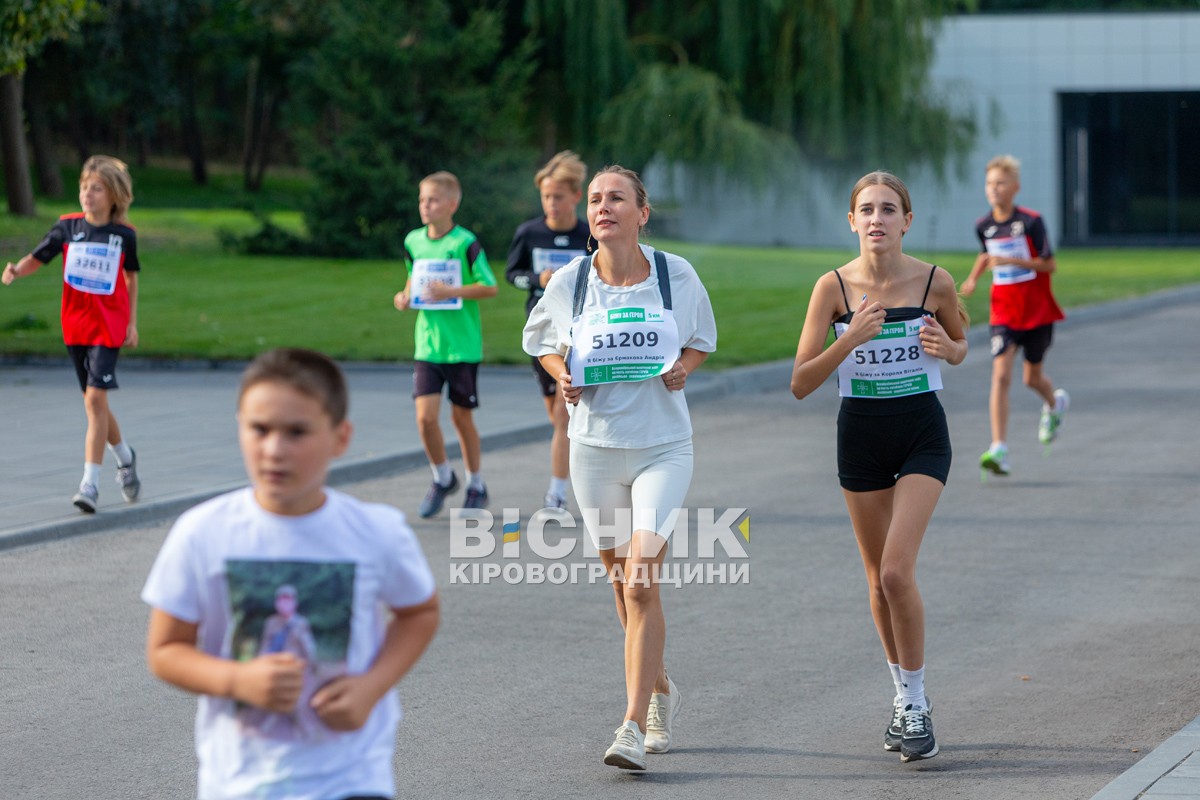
200	302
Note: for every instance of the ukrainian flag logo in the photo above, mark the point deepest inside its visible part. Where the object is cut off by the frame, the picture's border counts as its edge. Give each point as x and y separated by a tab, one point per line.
512	532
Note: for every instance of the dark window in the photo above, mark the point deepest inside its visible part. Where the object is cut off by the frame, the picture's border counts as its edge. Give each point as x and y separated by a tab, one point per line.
1131	169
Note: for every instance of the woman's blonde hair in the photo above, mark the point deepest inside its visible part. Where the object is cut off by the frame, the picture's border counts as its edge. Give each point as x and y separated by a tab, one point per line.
113	173
639	189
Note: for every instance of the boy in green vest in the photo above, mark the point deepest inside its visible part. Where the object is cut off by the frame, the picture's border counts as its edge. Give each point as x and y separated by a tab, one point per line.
448	273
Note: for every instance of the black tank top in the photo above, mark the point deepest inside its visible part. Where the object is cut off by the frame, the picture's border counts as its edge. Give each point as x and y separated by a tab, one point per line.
891	405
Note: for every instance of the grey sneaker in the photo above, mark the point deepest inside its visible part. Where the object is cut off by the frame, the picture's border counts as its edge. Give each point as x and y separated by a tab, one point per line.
476	498
895	729
628	750
663	710
87	498
553	501
918	741
435	498
127	479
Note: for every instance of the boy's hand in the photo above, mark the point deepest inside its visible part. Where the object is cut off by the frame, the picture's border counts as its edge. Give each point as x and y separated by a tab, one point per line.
272	682
436	290
401	300
545	277
345	703
968	287
9	275
131	336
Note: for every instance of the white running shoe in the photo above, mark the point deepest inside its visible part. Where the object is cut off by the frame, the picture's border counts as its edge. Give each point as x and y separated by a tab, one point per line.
663	710
628	750
1052	417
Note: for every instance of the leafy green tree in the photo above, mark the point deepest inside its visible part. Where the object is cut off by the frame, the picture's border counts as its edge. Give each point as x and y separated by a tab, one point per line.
393	92
741	85
25	28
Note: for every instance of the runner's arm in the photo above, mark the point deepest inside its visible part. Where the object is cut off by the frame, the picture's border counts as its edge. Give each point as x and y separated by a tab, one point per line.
26	266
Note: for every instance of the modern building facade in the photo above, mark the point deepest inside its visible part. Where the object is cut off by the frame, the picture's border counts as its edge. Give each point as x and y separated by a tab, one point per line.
1102	109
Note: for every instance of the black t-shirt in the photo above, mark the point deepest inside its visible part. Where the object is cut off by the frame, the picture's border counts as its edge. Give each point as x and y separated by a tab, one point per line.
536	248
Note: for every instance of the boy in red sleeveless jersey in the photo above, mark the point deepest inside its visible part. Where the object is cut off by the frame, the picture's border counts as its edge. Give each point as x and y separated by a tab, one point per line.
99	309
1016	248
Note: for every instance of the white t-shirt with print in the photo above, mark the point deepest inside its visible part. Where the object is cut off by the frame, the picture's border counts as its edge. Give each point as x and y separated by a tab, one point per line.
348	562
627	415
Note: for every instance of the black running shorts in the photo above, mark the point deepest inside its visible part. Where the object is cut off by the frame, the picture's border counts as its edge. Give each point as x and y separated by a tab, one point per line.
880	441
429	378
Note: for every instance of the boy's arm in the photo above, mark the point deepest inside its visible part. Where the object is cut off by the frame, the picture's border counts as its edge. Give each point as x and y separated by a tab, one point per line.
476	291
982	262
519	269
272	682
403	298
479	290
131	286
26	266
345	703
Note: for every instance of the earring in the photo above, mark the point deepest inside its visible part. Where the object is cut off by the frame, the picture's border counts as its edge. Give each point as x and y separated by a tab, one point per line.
589	243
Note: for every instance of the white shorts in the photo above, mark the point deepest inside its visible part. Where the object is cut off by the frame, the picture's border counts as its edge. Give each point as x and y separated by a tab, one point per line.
621	490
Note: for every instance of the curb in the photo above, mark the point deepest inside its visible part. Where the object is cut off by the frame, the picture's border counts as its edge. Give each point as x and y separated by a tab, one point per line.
1154	770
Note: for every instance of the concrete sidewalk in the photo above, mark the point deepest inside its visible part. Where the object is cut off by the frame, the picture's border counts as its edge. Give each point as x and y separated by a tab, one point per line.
181	423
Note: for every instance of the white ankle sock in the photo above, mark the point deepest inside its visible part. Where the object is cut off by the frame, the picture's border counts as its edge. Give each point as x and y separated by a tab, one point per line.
913	687
91	474
122	452
895	670
442	473
475	481
558	487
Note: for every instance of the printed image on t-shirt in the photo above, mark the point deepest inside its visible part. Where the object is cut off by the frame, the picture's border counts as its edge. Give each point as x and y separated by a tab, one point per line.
301	608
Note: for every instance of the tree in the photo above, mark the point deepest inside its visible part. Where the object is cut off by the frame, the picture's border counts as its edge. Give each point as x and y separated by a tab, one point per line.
25	27
742	85
393	92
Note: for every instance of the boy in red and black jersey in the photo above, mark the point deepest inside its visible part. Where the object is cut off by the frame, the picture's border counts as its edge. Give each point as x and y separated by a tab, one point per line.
1016	248
99	309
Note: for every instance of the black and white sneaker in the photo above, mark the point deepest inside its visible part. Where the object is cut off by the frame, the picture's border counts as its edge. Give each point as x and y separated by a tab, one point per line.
894	732
895	729
918	741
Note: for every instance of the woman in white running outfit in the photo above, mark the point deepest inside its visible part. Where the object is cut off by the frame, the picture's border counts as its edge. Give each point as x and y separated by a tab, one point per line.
896	319
621	330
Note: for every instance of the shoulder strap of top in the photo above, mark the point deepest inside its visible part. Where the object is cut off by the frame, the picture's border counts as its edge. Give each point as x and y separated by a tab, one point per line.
838	275
928	284
664	278
581	279
585	269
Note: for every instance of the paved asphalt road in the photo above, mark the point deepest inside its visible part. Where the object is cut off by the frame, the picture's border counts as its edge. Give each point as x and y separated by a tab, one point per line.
1061	603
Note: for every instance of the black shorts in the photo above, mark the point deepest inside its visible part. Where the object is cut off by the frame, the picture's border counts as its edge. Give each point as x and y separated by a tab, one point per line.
1035	341
880	441
545	380
95	365
429	378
